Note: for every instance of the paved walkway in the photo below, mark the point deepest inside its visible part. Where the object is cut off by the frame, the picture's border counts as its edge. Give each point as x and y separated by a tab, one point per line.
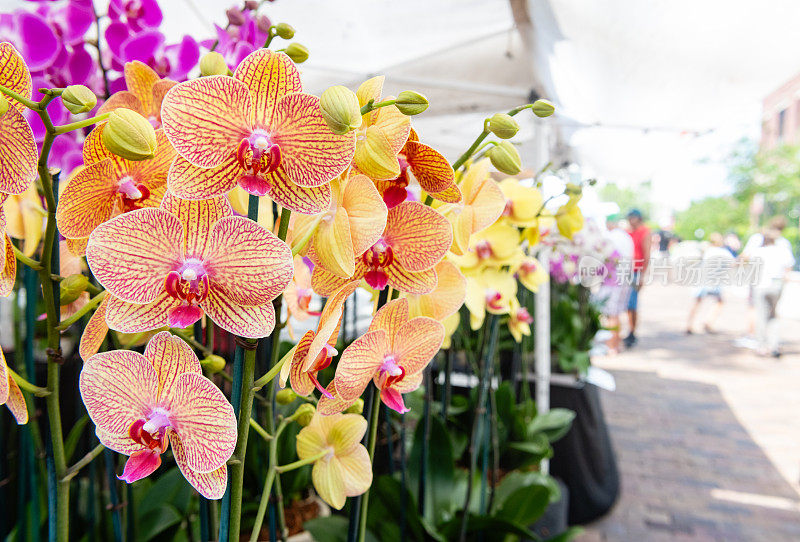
707	435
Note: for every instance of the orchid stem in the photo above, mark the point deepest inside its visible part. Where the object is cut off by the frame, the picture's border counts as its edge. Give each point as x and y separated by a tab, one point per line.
475	144
273	372
23	259
301	462
373	437
197	345
27	386
82	462
80	124
254	425
92	303
372	106
30	104
265	493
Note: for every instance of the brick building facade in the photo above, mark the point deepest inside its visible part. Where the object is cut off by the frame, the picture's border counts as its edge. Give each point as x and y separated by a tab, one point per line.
780	122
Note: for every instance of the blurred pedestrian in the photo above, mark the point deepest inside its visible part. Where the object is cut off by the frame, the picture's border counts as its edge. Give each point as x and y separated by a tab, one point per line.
614	295
717	262
640	234
774	261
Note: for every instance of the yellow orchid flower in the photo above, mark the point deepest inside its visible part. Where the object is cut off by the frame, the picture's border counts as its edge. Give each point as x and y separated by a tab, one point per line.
146	91
569	218
532	274
519	320
343	468
523	203
450	326
382	134
8	265
24	219
353	223
10	394
496	246
240	200
445	299
482	203
490	290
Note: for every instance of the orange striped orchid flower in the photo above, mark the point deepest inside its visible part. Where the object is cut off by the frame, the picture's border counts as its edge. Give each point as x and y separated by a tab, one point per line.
392	353
353	223
108	185
316	349
18	152
10	394
146	91
170	265
416	238
255	129
8	265
143	403
430	169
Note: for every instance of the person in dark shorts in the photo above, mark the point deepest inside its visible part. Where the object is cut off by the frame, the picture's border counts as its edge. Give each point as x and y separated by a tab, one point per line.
640	234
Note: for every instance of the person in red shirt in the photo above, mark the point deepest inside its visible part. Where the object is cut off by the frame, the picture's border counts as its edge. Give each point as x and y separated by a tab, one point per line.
641	258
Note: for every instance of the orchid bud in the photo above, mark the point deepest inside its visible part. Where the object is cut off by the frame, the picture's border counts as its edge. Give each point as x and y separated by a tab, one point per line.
235	16
4	105
505	158
78	99
411	103
129	135
339	108
298	53
285	31
213	363
252	5
213	63
356	408
503	126
543	108
263	23
304	414
285	396
72	287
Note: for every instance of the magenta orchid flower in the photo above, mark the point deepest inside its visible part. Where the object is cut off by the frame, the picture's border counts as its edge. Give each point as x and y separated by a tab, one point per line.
142	403
170	265
255	129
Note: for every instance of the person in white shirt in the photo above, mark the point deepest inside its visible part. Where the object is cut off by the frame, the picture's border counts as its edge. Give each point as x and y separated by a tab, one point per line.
614	297
754	242
716	264
774	262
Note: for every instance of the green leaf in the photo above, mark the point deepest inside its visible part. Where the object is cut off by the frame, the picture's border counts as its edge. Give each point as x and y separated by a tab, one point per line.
525	505
331	529
157	521
566	536
387	499
170	488
440	469
494	529
554	424
518	480
74	436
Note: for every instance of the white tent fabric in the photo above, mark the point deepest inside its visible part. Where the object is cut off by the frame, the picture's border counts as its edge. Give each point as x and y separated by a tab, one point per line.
655	90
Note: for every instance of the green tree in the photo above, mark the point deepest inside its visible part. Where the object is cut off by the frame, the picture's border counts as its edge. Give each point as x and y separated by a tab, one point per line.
638	197
721	214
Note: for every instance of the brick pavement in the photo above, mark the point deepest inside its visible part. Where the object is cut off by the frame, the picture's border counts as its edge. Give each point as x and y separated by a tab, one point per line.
707	435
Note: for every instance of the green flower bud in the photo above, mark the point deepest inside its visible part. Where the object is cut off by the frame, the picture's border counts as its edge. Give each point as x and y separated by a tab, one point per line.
129	135
505	158
339	108
304	413
285	31
503	126
356	408
78	99
213	363
572	189
72	287
298	53
411	103
543	108
4	105
213	63
285	396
